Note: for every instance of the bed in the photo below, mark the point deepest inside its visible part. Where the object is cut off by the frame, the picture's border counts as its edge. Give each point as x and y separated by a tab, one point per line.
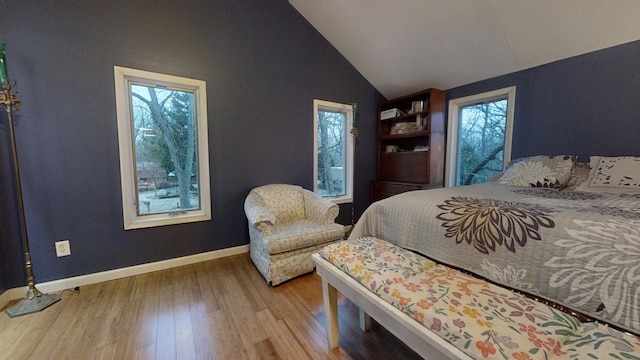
572	239
562	233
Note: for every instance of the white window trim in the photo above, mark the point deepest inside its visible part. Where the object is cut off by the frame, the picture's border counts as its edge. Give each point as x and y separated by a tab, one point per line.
123	77
454	120
349	148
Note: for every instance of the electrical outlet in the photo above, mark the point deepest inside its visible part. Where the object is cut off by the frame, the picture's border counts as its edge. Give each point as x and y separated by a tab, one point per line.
63	248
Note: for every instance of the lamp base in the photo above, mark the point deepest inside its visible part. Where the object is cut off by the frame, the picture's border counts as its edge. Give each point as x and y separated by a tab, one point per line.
35	304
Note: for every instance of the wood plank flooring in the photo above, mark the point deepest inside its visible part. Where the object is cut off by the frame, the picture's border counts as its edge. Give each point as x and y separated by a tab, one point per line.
219	309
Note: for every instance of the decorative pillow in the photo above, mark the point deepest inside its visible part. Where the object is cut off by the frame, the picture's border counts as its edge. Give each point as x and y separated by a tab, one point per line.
550	172
617	172
595	166
579	174
594	161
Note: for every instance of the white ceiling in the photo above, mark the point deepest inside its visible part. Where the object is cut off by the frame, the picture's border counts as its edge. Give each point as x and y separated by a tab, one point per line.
402	46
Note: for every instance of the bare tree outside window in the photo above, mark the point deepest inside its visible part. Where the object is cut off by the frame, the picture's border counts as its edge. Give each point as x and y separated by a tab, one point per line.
165	149
331	154
479	134
333	150
481	141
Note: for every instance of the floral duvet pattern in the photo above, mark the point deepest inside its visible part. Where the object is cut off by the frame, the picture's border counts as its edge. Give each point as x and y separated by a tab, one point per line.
578	250
483	320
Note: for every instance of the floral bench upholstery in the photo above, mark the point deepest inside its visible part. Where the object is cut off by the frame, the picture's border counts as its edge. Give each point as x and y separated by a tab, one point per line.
478	318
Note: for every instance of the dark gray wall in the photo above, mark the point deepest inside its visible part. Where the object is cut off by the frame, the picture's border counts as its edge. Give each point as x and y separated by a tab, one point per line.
585	105
263	64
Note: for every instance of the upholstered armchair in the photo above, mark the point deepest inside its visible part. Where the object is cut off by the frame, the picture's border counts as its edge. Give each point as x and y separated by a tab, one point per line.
286	225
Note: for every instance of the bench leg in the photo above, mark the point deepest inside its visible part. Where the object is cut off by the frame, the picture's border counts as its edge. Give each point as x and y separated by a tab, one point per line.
330	296
365	320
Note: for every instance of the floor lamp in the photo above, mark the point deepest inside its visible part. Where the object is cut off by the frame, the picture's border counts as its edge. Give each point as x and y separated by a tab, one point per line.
34	300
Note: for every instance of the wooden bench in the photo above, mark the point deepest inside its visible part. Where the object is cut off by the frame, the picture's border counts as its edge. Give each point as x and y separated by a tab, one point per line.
426	343
464	319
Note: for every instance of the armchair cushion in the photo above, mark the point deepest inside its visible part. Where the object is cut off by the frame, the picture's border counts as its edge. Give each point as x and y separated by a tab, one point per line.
300	234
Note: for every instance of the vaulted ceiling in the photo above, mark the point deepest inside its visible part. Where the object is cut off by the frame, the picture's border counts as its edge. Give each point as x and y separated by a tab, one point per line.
402	46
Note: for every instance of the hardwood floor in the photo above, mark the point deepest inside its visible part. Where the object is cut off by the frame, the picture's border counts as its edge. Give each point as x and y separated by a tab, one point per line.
219	309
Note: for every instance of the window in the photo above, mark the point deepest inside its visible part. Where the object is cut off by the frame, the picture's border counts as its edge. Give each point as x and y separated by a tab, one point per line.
164	162
333	150
479	143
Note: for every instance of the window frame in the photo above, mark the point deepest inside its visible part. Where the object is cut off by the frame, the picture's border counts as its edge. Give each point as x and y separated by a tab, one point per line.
349	142
455	105
124	77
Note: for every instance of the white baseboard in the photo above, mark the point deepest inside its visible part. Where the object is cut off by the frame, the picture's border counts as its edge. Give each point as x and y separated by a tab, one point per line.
83	280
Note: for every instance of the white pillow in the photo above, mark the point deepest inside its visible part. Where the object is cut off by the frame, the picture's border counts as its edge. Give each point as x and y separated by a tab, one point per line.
618	172
613	175
551	172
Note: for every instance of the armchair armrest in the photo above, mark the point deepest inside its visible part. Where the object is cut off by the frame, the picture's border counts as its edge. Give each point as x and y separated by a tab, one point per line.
319	209
258	215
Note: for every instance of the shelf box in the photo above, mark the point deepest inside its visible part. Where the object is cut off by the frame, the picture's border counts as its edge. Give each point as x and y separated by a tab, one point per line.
391	113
